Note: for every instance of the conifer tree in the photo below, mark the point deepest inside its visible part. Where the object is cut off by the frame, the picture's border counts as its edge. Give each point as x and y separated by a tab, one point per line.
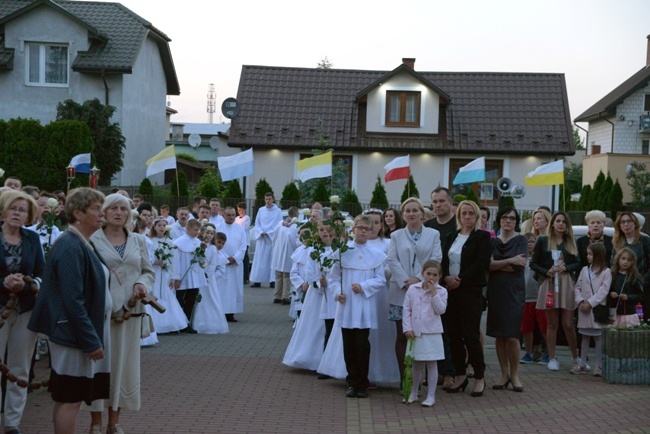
379	198
410	189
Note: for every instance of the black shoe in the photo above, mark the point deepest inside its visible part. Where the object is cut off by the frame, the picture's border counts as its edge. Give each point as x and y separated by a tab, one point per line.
352	392
476	394
188	330
286	301
230	317
323	377
457	389
277	301
255	285
272	284
362	393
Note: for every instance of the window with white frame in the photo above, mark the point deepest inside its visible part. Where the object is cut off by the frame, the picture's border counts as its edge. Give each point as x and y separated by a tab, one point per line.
47	64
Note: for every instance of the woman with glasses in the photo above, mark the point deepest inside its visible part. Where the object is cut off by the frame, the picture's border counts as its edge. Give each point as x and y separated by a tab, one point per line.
409	249
627	233
506	295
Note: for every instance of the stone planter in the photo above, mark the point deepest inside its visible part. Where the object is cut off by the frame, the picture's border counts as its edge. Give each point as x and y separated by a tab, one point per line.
626	355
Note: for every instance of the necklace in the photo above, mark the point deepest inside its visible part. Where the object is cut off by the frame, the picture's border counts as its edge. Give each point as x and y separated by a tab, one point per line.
78	233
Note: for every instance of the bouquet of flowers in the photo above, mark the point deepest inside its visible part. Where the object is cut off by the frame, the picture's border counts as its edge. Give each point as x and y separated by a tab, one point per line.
164	252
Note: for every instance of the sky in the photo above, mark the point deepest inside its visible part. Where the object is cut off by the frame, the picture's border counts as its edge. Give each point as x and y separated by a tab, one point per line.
597	44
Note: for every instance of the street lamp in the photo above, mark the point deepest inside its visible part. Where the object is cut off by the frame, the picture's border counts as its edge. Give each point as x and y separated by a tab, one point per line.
71	173
94	177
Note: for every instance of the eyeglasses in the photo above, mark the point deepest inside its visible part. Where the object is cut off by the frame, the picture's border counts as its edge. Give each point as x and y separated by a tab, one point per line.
363	228
623	222
509	218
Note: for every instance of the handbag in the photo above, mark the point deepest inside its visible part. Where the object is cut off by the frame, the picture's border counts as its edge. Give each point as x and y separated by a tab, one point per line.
146	326
600	311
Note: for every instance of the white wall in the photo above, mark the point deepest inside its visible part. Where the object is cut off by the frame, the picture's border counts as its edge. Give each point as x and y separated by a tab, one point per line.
600	133
626	137
429	103
142	114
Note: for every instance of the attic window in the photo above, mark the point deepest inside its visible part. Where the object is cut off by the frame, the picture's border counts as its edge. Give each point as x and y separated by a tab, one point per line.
47	64
403	109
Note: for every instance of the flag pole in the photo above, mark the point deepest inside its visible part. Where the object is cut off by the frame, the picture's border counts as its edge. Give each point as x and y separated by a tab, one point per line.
178	188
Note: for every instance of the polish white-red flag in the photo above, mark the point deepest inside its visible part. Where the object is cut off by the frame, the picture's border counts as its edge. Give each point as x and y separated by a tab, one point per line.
397	169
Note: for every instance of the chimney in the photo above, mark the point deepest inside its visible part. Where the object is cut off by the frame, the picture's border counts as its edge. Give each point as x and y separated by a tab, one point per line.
647	58
410	61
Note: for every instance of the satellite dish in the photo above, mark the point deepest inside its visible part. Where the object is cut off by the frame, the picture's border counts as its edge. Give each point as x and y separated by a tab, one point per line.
214	143
194	140
230	108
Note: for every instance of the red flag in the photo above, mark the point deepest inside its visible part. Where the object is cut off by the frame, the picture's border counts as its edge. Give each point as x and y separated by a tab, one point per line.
397	169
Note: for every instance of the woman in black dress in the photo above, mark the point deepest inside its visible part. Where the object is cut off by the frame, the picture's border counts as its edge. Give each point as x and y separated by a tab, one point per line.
506	296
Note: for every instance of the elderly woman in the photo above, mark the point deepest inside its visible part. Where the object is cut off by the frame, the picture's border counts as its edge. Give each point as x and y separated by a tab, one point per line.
506	295
409	249
596	224
73	310
627	233
126	256
560	238
465	262
21	268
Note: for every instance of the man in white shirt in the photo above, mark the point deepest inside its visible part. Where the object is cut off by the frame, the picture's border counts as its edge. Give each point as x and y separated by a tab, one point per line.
266	222
232	296
178	228
215	212
244	221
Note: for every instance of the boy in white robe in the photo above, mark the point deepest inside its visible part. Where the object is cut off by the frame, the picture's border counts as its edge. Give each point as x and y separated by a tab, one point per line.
285	242
187	273
355	280
266	222
304	272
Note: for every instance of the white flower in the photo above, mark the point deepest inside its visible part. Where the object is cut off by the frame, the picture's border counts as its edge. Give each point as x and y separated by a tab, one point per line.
204	222
134	214
294	220
168	229
348	223
335	200
2	173
51	202
306	212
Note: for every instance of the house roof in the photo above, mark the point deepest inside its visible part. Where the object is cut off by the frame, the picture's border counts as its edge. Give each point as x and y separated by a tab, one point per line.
511	113
607	105
117	35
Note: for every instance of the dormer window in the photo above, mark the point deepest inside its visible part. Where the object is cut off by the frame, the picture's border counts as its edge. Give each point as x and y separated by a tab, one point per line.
403	108
47	64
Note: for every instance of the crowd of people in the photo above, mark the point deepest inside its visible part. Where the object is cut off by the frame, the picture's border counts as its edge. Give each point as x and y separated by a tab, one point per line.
92	278
374	298
435	277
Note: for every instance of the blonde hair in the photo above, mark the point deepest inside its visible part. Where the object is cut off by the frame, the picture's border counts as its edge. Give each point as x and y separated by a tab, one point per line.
547	217
414	200
364	218
9	197
477	213
117	199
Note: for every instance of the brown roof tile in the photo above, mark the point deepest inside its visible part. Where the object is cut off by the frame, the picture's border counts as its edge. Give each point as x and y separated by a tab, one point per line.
504	112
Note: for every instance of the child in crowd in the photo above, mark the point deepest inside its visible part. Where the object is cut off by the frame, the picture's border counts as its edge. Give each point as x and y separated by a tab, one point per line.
220	241
304	272
208	313
532	318
626	290
424	303
356	279
591	290
174	318
188	274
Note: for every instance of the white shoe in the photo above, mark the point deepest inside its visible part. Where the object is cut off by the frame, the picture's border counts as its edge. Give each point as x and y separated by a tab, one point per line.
411	400
553	365
578	361
428	402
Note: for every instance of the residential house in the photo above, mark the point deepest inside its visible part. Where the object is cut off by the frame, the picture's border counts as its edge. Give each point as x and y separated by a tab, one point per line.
51	51
619	130
443	120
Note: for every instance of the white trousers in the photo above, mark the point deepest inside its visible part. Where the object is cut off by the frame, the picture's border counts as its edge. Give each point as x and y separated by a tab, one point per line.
20	344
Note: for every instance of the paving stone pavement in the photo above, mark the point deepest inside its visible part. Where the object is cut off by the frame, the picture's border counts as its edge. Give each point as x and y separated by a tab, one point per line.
236	383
